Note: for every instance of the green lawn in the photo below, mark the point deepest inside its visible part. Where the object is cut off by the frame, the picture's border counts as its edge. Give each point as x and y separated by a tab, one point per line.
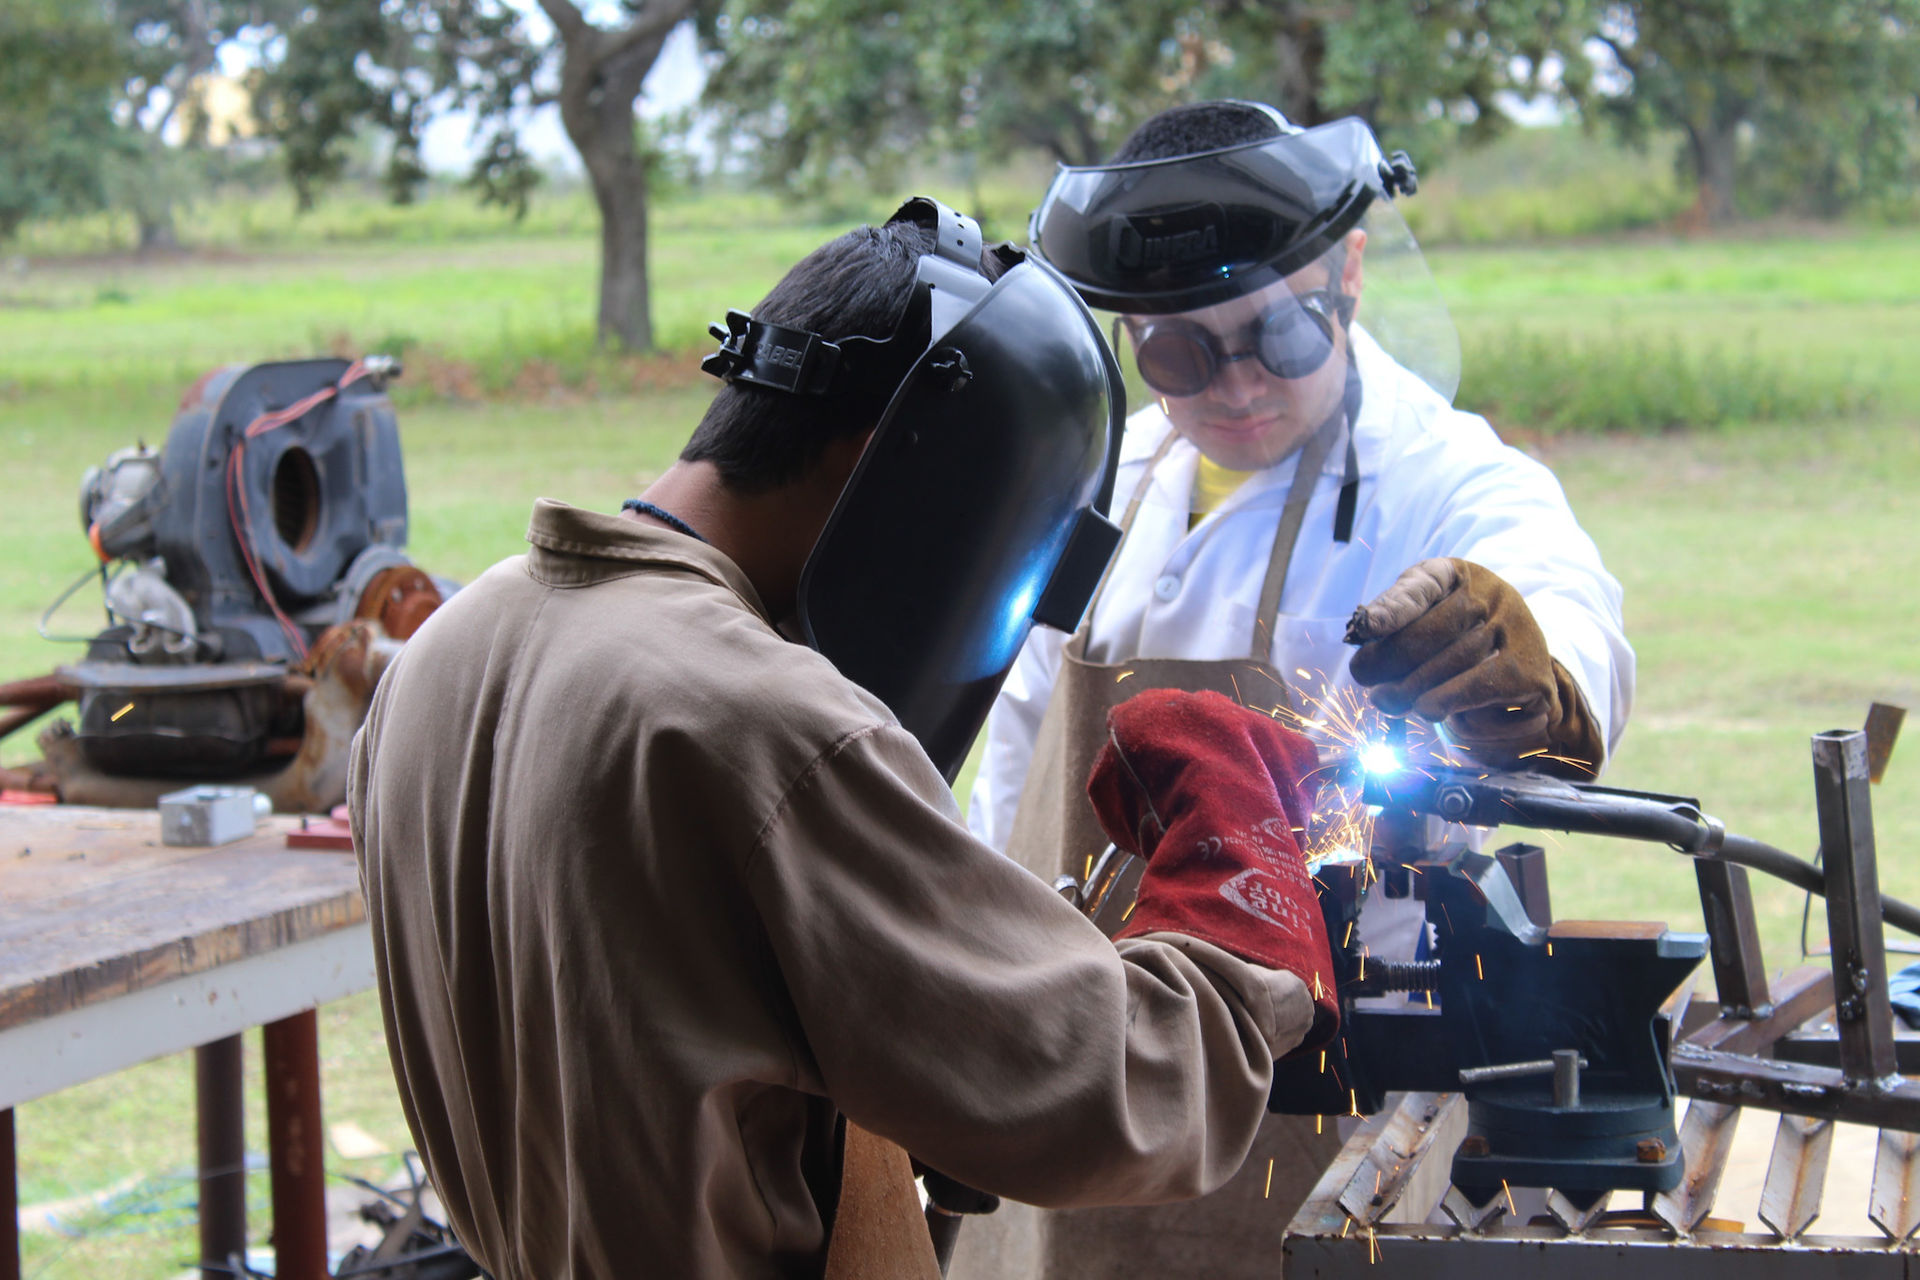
1772	574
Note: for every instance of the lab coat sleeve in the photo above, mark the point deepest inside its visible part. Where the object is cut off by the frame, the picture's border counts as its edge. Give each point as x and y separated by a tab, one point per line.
946	999
1012	728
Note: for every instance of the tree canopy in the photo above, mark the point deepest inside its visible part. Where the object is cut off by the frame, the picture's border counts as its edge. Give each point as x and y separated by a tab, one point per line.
58	70
823	85
394	64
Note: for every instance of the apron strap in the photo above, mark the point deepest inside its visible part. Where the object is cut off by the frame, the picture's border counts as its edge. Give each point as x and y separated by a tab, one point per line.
1312	458
1078	641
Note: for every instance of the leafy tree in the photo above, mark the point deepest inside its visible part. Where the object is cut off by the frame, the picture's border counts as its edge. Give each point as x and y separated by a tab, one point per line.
394	64
58	67
1819	92
167	49
825	85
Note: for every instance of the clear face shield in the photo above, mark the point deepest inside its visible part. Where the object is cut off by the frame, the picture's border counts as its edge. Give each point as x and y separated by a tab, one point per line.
1184	239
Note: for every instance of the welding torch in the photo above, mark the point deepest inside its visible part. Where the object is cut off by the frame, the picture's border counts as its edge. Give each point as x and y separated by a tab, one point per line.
1549	804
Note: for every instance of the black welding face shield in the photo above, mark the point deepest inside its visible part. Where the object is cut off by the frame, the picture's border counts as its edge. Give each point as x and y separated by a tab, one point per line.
979	505
1165	237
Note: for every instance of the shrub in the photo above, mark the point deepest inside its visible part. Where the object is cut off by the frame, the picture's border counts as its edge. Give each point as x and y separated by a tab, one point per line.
1532	382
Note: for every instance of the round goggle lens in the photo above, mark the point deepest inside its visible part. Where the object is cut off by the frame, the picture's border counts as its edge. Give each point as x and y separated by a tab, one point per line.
1174	362
1295	340
1291	340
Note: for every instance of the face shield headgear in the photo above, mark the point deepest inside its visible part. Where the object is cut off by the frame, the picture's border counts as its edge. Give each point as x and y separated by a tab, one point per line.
979	506
1157	238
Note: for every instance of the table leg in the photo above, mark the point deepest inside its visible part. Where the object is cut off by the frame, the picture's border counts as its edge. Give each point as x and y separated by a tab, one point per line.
295	1155
223	1154
10	1186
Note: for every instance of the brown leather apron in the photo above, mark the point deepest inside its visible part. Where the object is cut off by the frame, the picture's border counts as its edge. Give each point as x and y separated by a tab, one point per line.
1235	1232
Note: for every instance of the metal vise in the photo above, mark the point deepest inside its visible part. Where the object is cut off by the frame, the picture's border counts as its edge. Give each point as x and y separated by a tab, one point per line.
1555	1036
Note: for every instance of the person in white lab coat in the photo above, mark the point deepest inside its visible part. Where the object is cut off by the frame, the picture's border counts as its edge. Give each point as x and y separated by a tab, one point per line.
1301	481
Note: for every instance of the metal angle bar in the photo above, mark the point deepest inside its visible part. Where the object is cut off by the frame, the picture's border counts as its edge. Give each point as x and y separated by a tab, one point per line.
1845	810
1469	1216
1322	1211
1571	1216
1706	1138
1895	1203
1796	1175
1413	1130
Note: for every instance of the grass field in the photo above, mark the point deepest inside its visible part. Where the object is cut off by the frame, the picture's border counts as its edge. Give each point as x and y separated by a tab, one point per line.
1771	569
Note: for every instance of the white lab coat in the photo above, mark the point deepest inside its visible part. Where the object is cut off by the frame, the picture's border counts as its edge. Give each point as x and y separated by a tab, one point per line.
1433	482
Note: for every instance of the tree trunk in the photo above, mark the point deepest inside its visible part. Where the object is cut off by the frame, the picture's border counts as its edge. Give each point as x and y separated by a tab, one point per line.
1714	149
157	234
597	95
1299	51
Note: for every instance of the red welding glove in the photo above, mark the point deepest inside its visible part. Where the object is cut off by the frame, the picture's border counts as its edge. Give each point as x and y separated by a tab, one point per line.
1452	641
1210	794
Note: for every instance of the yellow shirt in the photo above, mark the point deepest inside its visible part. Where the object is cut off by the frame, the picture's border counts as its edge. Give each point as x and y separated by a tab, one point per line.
1212	484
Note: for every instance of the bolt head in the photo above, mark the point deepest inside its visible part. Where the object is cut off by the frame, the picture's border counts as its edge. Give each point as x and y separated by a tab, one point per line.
1474	1145
1650	1151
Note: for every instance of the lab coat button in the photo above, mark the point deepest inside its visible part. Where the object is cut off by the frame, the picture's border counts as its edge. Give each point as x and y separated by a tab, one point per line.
1167	587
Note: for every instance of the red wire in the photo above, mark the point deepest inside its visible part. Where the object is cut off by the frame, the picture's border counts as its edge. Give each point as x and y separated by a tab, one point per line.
242	519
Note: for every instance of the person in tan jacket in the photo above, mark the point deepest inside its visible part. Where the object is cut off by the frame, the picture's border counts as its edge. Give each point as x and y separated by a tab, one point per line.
666	898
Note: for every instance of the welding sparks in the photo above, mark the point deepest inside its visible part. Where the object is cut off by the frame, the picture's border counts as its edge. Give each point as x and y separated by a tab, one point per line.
1268	1193
1353	1102
122	711
1479	969
1323	1062
1122	676
1373	1246
1509	1193
1319	1123
1549	948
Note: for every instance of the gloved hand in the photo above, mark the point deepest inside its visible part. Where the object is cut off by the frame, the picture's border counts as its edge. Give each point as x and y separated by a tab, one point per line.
1210	794
1452	641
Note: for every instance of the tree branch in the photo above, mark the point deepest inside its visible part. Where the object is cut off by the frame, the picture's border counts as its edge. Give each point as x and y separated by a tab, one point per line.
566	18
659	17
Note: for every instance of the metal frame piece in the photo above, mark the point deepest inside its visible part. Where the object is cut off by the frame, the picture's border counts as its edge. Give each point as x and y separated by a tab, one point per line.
1762	1045
1739	970
1845	811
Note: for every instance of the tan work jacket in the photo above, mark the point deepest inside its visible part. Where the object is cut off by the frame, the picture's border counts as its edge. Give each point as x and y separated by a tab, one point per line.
656	894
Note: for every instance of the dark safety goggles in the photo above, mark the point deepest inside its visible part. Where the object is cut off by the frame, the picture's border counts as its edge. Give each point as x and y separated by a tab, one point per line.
1291	339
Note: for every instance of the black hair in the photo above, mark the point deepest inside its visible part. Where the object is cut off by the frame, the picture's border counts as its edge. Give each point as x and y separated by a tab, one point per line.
1196	128
859	283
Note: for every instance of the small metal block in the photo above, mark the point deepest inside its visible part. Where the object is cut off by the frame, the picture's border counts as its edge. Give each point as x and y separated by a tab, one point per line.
206	815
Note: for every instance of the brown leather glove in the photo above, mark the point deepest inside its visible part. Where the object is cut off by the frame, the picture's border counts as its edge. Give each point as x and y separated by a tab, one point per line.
1211	795
1452	641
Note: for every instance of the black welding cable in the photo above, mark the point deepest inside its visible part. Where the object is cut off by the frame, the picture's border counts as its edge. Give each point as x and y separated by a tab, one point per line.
1802	874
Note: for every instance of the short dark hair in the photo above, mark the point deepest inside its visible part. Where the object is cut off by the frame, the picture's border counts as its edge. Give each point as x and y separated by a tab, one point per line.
1195	128
859	283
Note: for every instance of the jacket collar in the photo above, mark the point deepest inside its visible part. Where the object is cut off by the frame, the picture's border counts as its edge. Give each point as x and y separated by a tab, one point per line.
576	547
